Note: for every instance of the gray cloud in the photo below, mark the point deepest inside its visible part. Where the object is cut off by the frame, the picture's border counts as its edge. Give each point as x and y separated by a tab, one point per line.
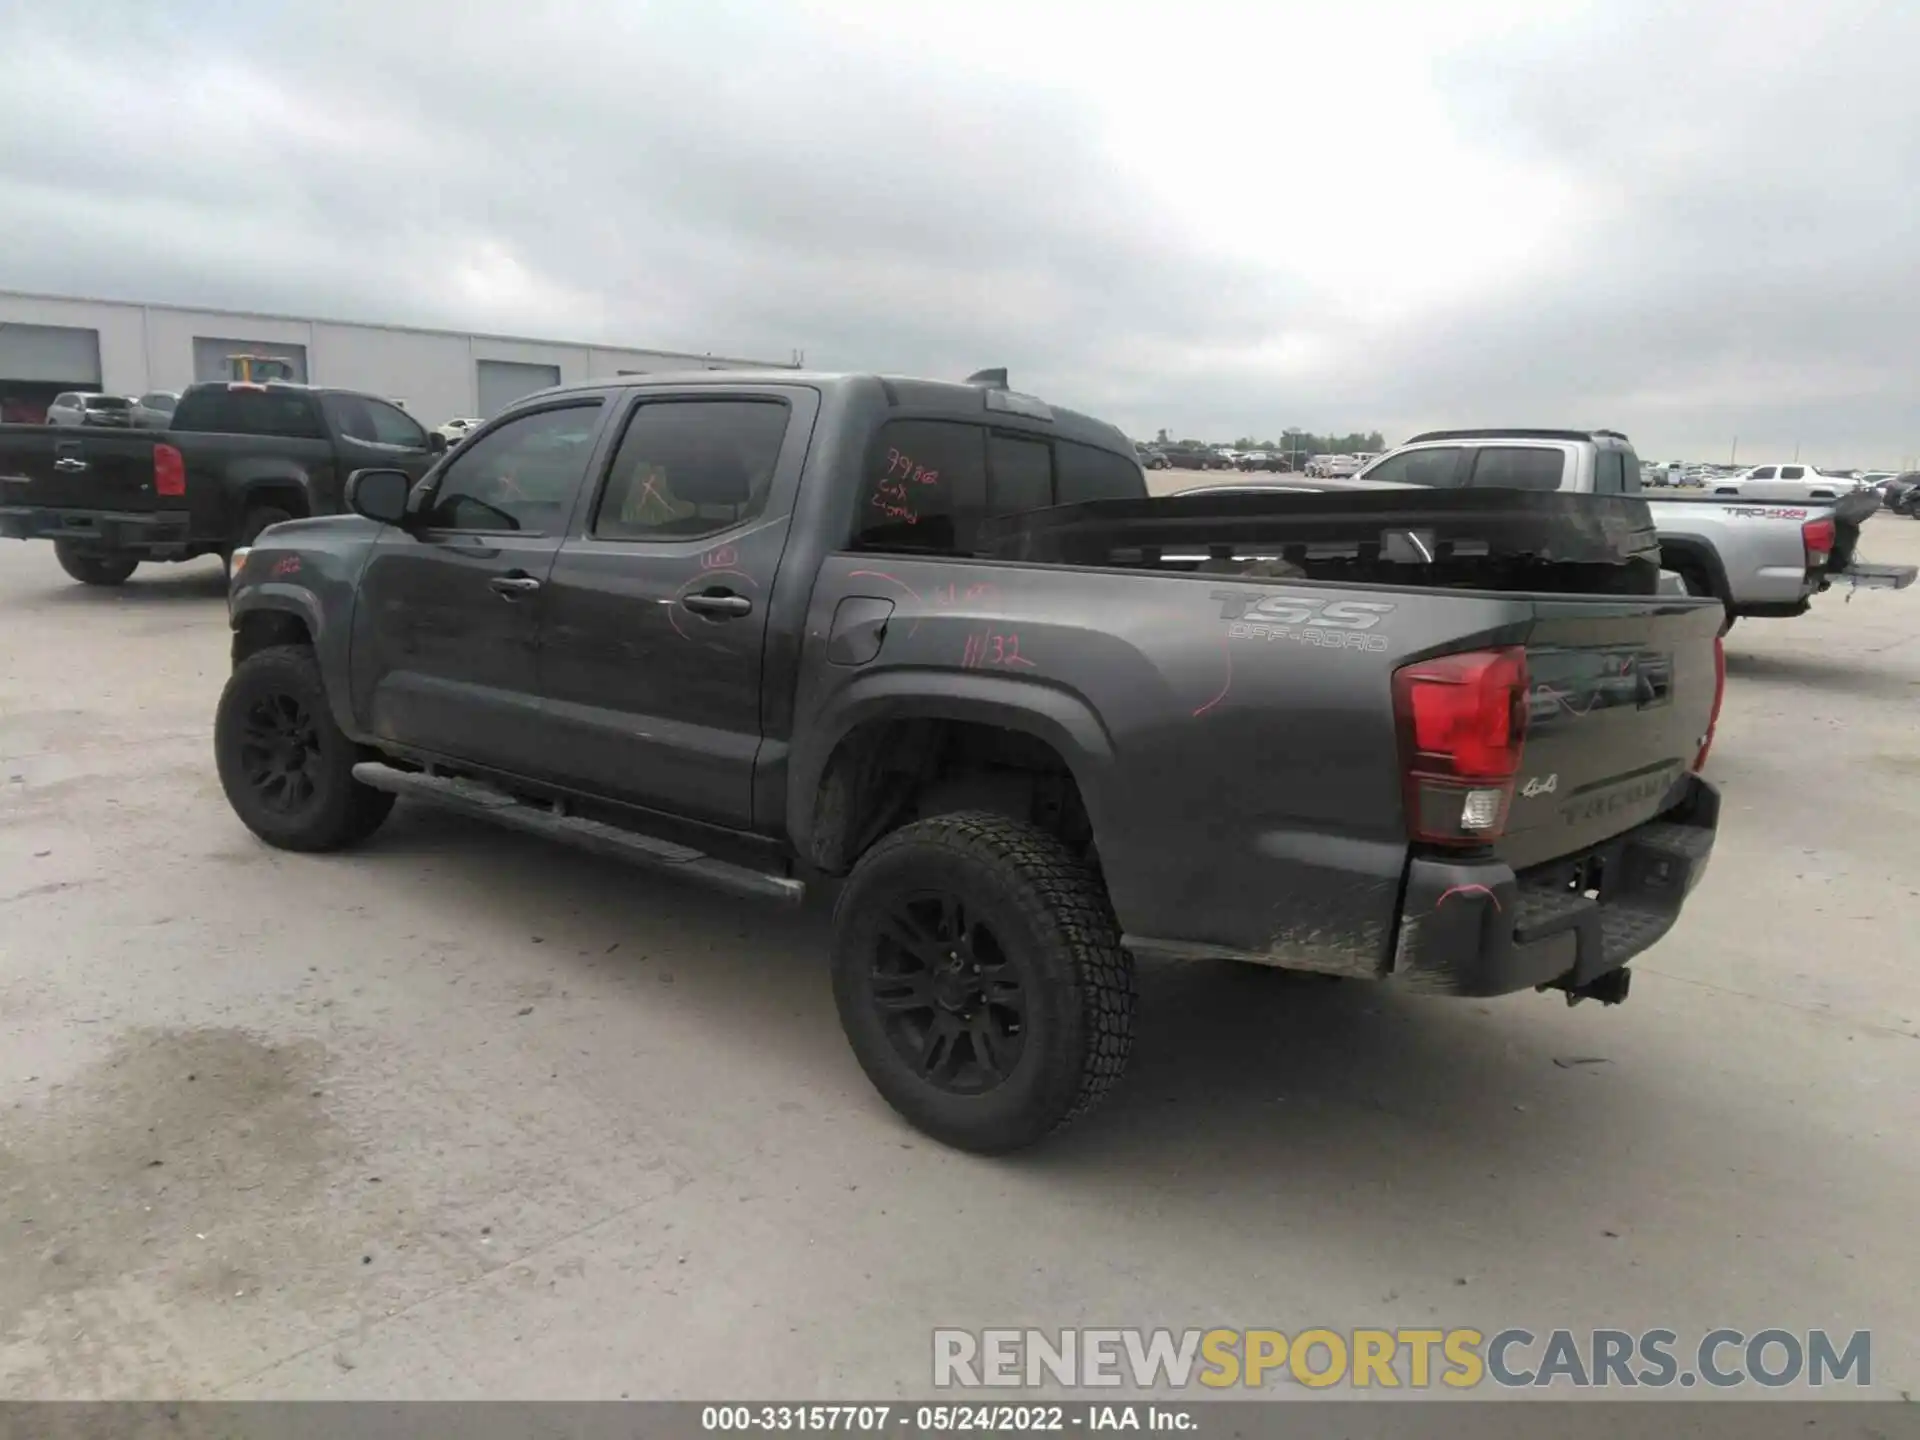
1740	256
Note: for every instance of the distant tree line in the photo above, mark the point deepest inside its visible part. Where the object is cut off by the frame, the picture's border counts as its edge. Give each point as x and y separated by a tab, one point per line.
1298	441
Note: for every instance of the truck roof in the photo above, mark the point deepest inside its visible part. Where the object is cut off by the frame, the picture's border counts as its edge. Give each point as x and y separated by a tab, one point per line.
1517	432
281	387
960	400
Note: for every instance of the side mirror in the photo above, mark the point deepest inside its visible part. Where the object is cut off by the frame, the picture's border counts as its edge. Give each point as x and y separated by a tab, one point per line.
379	495
436	443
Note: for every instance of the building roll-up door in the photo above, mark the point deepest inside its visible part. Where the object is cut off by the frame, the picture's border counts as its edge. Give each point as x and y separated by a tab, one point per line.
504	381
37	362
57	354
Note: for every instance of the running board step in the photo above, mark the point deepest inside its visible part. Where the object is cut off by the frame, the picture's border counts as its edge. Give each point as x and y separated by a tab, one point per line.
475	798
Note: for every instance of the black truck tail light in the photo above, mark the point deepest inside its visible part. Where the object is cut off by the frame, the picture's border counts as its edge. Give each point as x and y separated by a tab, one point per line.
1463	722
169	471
1817	537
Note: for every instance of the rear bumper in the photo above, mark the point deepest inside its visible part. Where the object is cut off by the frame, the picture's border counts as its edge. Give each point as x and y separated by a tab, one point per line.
1477	928
163	535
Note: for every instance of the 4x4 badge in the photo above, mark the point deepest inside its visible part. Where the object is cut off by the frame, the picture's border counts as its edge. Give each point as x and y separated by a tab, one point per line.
1537	786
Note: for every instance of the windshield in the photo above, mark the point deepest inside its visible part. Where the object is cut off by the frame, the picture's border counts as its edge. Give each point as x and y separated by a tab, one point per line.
107	402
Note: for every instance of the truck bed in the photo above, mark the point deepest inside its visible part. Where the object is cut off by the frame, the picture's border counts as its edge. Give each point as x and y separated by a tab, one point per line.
1236	724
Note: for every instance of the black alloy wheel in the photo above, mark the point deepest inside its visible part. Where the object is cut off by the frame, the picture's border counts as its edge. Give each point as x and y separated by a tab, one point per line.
980	978
280	753
285	765
948	994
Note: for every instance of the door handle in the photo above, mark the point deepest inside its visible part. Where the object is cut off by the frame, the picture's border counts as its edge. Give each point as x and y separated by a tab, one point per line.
68	463
513	586
721	604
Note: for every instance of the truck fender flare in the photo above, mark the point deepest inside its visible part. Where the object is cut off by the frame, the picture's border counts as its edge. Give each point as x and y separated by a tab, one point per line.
271	597
1046	711
1698	554
253	476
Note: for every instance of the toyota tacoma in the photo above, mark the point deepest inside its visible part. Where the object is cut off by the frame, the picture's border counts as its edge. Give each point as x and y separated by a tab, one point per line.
932	645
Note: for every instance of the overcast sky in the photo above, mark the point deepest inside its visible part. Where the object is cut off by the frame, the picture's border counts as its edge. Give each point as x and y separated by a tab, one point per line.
1220	219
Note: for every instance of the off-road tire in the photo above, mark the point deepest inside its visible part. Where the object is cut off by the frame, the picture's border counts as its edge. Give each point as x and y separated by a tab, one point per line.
340	811
1051	915
90	569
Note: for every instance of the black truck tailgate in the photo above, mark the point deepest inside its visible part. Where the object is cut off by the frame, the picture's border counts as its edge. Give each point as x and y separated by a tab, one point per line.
60	468
1621	695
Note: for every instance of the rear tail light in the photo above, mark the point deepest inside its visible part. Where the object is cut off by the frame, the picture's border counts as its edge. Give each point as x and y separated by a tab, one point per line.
1719	694
169	471
1817	536
1463	722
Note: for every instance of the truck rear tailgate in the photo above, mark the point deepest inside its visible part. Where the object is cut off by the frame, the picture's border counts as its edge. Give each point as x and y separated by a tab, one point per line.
79	469
1850	512
1621	697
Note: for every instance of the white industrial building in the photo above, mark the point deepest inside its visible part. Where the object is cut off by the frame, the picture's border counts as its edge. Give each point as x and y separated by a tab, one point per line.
51	343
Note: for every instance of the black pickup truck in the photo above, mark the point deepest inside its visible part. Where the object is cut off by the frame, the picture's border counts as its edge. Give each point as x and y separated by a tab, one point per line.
934	645
235	459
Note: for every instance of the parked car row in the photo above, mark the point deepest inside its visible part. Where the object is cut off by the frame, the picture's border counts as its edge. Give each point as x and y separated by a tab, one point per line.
1207	457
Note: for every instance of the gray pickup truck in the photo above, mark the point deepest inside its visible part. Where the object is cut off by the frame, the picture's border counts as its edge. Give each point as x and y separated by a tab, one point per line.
1760	558
932	645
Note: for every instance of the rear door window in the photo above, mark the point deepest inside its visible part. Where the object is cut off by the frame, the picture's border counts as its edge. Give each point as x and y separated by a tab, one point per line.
925	487
1765	472
1437	468
1609	475
687	469
1518	467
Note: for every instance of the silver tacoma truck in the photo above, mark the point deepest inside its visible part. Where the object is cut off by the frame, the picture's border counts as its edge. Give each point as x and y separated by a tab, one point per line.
1759	558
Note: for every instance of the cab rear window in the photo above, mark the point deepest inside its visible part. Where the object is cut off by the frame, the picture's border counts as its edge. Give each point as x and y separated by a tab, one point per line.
1517	467
1082	473
221	410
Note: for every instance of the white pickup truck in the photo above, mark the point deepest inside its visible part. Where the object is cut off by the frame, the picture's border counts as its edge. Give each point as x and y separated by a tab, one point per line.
1784	482
1759	555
